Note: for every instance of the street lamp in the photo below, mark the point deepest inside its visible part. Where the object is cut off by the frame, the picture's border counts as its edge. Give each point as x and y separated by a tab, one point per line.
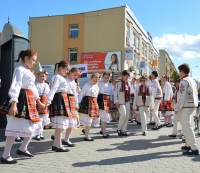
193	68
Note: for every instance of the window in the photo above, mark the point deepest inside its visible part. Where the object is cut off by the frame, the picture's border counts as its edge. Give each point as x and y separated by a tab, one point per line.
143	47
73	55
127	31
134	38
137	63
73	31
145	51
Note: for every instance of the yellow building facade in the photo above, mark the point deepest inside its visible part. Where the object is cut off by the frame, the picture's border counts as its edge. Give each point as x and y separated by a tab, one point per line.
67	37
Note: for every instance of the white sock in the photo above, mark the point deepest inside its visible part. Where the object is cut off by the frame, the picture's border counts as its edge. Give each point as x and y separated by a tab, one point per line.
8	145
24	144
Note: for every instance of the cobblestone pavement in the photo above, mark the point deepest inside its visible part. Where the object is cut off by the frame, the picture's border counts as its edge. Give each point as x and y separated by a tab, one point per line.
155	152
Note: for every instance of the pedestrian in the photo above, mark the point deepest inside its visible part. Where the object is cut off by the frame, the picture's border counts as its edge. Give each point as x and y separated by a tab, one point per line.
104	102
43	90
61	111
73	103
23	116
186	108
157	95
144	101
122	101
88	106
168	94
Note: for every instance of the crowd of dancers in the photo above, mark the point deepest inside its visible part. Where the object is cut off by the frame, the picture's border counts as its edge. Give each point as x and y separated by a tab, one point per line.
31	104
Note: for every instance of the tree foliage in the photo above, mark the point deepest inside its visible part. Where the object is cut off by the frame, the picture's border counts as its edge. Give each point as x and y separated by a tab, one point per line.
175	76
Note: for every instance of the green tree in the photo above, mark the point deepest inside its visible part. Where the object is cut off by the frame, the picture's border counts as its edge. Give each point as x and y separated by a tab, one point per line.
175	76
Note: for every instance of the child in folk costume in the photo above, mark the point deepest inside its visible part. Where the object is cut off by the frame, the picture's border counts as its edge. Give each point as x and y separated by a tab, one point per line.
88	106
43	91
157	95
186	108
137	113
122	101
176	116
73	102
150	83
143	100
60	110
113	109
168	94
104	99
78	90
21	107
132	90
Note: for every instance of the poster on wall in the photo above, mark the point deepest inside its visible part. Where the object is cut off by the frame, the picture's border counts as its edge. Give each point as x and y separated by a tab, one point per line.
82	67
129	53
102	61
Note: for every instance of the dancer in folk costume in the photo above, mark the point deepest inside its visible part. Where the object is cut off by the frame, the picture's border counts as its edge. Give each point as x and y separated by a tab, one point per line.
122	101
132	91
61	111
104	102
21	109
176	116
157	95
137	113
168	94
144	101
73	103
78	90
185	108
43	91
88	106
150	83
113	108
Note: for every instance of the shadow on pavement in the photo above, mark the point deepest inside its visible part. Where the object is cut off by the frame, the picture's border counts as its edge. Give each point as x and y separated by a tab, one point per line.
130	159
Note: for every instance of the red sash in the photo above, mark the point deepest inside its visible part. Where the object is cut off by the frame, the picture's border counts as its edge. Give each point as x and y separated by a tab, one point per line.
33	113
107	103
72	103
43	99
67	105
93	110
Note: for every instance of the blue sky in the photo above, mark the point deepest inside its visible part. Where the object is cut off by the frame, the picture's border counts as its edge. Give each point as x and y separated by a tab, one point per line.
174	24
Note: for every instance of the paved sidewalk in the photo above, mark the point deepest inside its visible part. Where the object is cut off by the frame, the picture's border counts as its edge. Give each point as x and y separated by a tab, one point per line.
141	154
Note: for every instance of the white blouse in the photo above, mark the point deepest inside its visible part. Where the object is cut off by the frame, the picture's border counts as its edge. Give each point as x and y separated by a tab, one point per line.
59	84
88	90
132	88
43	88
72	89
23	78
105	88
168	91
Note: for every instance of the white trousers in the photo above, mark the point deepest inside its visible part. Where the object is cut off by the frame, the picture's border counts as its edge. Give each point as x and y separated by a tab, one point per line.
155	112
124	111
175	124
144	113
186	114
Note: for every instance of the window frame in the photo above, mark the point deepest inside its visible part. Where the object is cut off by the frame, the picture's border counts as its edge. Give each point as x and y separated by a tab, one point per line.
73	52
74	30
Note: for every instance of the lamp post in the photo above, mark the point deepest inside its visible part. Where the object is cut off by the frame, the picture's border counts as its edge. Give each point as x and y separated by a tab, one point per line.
193	68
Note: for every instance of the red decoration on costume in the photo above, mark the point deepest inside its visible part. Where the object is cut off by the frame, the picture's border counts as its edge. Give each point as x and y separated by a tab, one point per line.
181	89
32	71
